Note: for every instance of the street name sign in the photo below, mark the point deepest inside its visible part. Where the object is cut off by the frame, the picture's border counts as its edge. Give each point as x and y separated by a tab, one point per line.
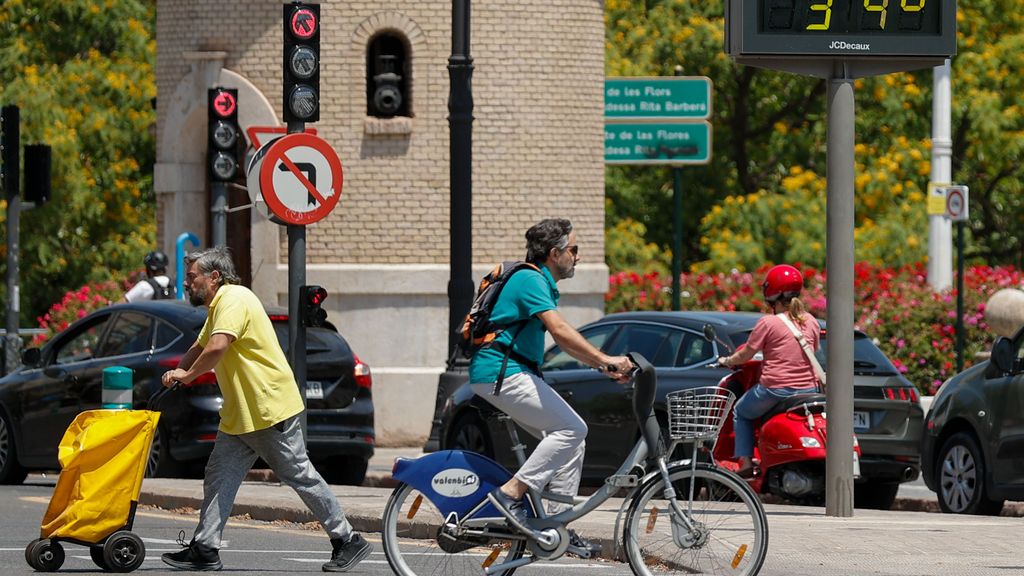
657	98
657	143
297	178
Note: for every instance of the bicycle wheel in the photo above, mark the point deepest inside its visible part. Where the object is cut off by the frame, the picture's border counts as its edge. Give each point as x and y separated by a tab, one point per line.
415	545
730	535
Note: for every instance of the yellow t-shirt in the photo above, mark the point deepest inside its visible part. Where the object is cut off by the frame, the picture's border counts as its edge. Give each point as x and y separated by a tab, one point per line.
255	379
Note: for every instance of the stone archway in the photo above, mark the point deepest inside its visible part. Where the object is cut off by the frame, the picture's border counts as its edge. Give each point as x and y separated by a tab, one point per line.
180	172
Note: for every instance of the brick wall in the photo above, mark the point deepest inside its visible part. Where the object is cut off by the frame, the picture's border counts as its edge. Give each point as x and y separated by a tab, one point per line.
537	137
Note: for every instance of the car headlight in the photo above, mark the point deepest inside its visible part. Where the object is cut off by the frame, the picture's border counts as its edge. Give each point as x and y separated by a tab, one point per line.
809	442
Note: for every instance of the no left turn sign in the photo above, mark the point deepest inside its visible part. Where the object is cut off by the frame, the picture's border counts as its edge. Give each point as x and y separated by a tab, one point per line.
298	178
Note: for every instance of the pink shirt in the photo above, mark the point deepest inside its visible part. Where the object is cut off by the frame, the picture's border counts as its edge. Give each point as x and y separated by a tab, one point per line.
785	363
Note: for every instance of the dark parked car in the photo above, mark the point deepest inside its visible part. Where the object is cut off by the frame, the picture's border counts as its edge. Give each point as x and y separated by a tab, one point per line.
887	412
973	448
41	398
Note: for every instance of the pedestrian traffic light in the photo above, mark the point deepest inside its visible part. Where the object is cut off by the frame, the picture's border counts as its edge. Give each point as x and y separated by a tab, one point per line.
313	298
222	145
301	62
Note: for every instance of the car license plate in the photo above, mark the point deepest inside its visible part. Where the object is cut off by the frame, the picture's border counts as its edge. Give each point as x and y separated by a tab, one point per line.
861	421
314	390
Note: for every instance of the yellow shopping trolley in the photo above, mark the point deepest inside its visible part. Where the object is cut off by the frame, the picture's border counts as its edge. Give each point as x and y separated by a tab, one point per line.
103	458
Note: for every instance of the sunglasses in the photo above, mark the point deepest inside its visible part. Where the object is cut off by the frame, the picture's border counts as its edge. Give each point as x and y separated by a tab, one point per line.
575	249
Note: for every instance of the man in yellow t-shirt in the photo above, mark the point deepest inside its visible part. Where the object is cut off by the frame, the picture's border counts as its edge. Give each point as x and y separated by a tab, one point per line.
259	418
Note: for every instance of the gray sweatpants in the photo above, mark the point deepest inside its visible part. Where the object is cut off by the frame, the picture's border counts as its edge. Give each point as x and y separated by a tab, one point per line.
557	461
281	446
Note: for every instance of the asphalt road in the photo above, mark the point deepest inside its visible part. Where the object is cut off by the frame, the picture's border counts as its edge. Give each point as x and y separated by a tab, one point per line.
251	547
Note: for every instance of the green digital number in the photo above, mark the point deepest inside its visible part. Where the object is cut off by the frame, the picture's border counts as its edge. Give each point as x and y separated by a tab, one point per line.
882	8
827	9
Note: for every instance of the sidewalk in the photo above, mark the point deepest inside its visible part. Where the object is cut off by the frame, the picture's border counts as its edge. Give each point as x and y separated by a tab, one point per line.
803	541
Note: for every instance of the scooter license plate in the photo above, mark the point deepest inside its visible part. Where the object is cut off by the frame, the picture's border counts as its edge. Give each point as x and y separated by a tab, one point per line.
856	465
861	421
314	390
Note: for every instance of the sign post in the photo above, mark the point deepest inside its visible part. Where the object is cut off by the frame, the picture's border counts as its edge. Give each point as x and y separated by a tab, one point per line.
957	210
860	39
660	120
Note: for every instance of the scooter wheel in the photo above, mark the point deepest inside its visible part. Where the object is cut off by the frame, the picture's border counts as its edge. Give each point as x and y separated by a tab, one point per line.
46	556
123	551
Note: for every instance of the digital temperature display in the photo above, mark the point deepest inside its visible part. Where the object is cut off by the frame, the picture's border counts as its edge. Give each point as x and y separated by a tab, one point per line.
842	28
868	17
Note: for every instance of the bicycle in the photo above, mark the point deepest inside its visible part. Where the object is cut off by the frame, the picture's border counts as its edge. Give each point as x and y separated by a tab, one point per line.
439	520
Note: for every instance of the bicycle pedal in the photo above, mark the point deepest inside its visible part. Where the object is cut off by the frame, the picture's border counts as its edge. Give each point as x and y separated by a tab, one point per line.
622	481
583	553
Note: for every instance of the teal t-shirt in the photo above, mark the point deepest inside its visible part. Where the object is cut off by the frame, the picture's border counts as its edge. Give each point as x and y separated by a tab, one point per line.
526	294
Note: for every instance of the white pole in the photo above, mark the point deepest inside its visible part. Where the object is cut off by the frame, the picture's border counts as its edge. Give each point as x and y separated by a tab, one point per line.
940	230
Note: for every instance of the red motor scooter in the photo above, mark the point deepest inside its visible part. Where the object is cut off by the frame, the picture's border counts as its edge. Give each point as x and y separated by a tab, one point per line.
789	442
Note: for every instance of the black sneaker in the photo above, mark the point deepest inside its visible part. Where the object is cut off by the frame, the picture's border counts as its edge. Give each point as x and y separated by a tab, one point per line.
347	553
509	506
196	557
577	541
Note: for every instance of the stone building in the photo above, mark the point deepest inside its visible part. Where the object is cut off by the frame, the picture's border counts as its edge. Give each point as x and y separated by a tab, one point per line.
382	254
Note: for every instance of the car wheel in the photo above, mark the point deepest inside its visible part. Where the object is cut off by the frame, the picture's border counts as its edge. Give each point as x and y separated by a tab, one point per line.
875	495
961	478
11	471
348	470
469	433
160	463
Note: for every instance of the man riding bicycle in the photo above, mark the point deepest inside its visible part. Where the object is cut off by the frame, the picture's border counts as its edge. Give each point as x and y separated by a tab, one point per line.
528	305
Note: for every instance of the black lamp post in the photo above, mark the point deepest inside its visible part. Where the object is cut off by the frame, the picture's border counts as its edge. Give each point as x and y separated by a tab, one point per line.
460	283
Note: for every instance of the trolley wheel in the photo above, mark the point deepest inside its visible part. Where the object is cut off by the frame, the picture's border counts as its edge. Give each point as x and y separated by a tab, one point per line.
97	556
123	552
45	555
28	551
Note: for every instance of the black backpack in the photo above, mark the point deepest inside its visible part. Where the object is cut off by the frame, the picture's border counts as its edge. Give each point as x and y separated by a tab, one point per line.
162	292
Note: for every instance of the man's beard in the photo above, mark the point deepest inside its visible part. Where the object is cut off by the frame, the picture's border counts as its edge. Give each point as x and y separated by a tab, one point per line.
197	298
569	271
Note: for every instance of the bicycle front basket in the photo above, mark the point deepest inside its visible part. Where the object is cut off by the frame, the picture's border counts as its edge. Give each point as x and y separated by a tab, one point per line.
698	413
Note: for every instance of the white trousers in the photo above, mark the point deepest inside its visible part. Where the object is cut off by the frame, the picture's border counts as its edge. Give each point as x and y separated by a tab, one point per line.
557	461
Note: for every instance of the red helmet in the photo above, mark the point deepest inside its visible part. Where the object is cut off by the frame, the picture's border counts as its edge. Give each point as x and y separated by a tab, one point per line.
782	280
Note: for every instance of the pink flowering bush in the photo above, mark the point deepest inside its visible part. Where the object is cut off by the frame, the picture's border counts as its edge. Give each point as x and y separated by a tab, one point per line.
79	303
912	324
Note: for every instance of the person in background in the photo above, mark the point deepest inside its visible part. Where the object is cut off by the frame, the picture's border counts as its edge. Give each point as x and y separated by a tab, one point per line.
786	370
157	285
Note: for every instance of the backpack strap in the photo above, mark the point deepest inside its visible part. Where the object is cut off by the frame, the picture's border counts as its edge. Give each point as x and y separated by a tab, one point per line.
158	290
806	346
510	353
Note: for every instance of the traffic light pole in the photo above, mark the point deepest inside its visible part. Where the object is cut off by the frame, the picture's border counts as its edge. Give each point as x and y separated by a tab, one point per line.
219	210
296	279
11	185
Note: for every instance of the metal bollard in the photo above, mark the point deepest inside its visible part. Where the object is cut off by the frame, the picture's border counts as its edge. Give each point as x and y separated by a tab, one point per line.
117	388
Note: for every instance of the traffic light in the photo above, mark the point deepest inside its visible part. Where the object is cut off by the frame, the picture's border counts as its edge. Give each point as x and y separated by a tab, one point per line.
10	144
301	62
313	298
222	145
38	162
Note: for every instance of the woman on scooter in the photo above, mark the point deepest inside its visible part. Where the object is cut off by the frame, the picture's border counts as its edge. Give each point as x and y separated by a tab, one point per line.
785	370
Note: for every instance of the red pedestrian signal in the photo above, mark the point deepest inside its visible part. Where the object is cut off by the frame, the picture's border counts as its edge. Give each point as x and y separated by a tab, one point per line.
312	297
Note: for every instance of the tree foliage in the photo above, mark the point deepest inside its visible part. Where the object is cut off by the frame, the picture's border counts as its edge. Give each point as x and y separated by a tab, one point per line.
81	72
762	198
